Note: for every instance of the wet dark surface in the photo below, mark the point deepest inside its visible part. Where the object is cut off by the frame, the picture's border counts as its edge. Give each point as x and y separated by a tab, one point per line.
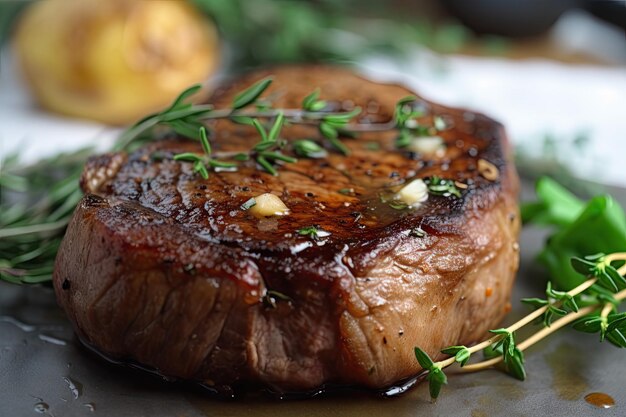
44	370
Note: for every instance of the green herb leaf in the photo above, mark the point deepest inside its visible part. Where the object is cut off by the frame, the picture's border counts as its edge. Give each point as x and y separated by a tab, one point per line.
311	102
187	156
436	377
588	324
266	165
404	138
179	101
273	156
220	164
340	119
241	157
461	353
262	132
206	146
439	186
330	133
243	120
276	127
556	205
514	365
310	99
423	359
248	204
308	149
534	302
200	168
317	106
404	111
436	380
582	266
252	93
314	232
617	337
616	321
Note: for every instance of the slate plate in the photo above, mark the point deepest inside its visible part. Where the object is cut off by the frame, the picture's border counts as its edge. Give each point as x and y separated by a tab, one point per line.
43	369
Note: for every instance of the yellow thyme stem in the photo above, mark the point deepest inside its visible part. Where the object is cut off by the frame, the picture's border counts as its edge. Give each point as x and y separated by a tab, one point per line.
541	334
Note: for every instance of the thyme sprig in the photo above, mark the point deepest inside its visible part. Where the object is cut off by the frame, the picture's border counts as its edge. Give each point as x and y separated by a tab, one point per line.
597	317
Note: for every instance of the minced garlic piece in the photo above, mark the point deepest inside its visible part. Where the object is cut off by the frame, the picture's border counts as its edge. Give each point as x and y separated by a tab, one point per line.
268	205
428	145
413	194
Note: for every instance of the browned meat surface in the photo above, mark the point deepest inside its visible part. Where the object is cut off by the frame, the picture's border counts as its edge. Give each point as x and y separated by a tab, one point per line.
164	268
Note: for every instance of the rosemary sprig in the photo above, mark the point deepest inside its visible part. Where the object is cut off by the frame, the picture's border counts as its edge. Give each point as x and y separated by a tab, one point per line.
36	203
268	151
187	119
502	347
202	163
31	232
308	149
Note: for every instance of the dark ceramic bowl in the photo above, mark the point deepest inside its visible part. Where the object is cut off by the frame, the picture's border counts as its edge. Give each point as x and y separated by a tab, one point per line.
514	18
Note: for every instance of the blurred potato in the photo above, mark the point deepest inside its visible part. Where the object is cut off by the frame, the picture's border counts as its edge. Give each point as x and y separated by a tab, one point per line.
113	60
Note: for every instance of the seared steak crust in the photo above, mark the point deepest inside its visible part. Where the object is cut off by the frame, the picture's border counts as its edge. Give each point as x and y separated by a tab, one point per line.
166	269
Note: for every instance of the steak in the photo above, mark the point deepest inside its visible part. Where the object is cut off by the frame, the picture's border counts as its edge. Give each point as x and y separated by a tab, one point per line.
164	268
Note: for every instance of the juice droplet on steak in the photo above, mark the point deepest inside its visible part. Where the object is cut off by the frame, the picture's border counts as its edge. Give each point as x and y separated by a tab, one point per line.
600	400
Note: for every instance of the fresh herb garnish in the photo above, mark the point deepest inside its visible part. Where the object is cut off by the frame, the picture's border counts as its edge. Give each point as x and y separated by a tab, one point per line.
35	206
585	291
308	149
405	119
502	347
248	204
443	187
251	94
436	377
202	163
311	102
314	232
580	228
30	237
187	119
268	150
